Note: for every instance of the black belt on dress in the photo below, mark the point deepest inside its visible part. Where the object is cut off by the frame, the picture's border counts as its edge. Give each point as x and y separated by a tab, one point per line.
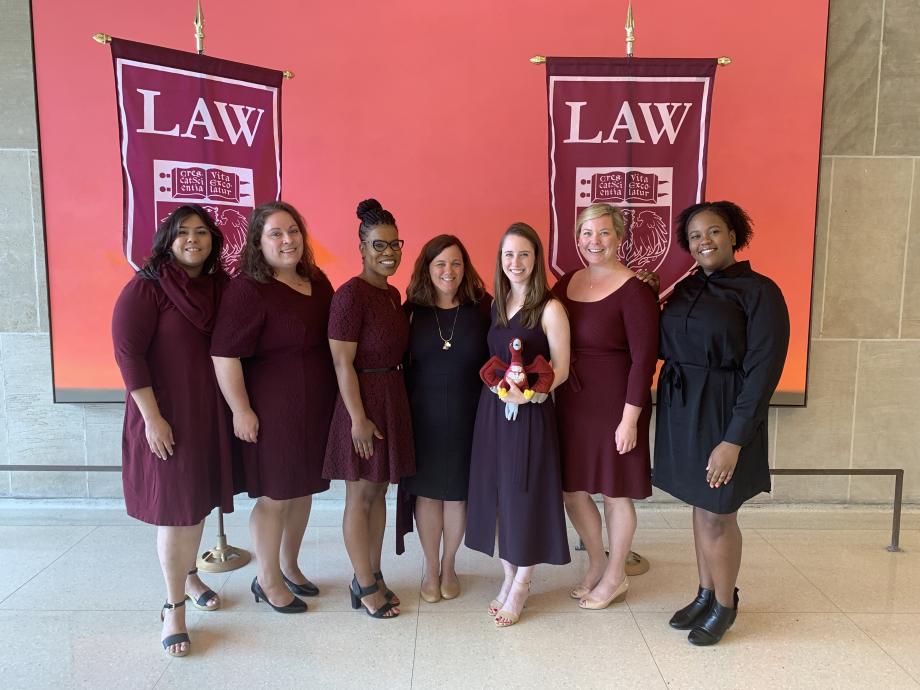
379	370
672	376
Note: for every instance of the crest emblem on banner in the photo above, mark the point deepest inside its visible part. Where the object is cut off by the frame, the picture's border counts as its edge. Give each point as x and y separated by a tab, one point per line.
632	133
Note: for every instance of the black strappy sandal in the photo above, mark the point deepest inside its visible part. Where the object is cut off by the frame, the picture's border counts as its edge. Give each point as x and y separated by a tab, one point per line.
388	593
178	638
357	591
201	603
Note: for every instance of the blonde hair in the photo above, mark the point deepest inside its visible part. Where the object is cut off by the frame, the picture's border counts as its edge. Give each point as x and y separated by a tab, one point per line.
598	211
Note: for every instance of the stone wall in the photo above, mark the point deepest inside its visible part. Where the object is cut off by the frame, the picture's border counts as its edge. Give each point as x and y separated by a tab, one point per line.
864	377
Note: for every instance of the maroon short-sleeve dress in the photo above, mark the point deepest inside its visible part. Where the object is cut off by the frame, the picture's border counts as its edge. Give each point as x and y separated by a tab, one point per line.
372	318
161	330
279	335
614	352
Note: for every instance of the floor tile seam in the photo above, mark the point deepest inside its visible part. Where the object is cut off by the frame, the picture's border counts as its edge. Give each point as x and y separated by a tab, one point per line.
800	572
169	663
647	645
418	619
883	650
48	565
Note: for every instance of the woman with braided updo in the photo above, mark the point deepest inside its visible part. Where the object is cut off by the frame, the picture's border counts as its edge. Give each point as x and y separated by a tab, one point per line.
370	441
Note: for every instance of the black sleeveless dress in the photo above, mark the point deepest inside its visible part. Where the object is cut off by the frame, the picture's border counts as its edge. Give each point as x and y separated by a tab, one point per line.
443	387
515	475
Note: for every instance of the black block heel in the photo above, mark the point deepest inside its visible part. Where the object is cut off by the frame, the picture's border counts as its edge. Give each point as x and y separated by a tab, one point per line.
357	591
710	628
686	618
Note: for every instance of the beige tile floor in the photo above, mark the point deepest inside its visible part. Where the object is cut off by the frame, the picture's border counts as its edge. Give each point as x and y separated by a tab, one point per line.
823	604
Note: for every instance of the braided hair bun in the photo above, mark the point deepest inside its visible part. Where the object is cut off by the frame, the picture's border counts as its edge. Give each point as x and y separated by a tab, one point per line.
367	206
372	213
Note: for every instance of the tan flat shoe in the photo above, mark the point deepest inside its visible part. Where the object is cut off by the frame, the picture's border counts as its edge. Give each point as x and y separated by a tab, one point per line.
618	595
450	590
431	596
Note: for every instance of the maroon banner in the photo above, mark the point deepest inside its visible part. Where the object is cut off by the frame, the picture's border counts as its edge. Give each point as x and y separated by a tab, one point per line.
194	129
632	132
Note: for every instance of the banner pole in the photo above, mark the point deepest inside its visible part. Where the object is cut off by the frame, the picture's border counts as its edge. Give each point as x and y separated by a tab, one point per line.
630	28
199	28
222	557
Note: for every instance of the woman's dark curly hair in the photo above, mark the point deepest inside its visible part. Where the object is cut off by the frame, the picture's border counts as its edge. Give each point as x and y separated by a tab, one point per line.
254	263
422	292
735	217
161	253
371	214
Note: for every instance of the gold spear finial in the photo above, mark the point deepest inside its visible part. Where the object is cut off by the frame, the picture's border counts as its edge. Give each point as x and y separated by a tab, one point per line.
199	29
630	28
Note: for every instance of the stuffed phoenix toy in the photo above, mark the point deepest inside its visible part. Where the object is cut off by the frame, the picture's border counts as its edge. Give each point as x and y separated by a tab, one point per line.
497	375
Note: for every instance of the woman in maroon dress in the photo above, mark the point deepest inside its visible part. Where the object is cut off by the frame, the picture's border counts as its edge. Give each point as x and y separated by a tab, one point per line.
176	462
370	442
515	483
275	371
605	407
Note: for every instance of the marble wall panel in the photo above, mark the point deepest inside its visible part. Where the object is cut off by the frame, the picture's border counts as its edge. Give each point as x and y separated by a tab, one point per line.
41	291
899	86
17	250
39	432
851	76
910	316
818	436
825	181
103	447
886	429
866	244
17	90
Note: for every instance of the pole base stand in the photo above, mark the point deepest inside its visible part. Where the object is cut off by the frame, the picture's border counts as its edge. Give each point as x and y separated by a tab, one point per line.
223	558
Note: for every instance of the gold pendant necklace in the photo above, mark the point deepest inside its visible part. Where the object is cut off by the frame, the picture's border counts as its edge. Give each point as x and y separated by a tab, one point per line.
446	341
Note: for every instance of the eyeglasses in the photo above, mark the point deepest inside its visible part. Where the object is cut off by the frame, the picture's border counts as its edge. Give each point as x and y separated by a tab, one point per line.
380	245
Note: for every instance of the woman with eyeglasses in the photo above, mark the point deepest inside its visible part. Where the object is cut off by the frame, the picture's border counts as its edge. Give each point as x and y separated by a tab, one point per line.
370	441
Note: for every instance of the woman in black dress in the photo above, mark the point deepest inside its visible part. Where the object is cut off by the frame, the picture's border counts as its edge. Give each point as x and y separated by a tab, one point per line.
448	312
724	335
515	477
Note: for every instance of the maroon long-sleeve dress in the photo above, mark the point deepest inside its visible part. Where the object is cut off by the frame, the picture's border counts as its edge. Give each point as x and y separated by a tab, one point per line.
614	352
161	331
279	335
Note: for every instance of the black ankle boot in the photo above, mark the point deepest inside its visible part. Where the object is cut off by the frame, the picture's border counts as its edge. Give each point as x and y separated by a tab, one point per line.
710	627
689	614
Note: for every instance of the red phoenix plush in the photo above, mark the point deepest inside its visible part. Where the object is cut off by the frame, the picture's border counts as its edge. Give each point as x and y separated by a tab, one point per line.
497	376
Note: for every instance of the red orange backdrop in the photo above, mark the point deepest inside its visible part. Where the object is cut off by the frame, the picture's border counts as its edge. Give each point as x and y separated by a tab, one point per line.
434	109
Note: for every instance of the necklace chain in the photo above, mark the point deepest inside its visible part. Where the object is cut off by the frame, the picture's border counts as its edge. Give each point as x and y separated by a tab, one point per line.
446	341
